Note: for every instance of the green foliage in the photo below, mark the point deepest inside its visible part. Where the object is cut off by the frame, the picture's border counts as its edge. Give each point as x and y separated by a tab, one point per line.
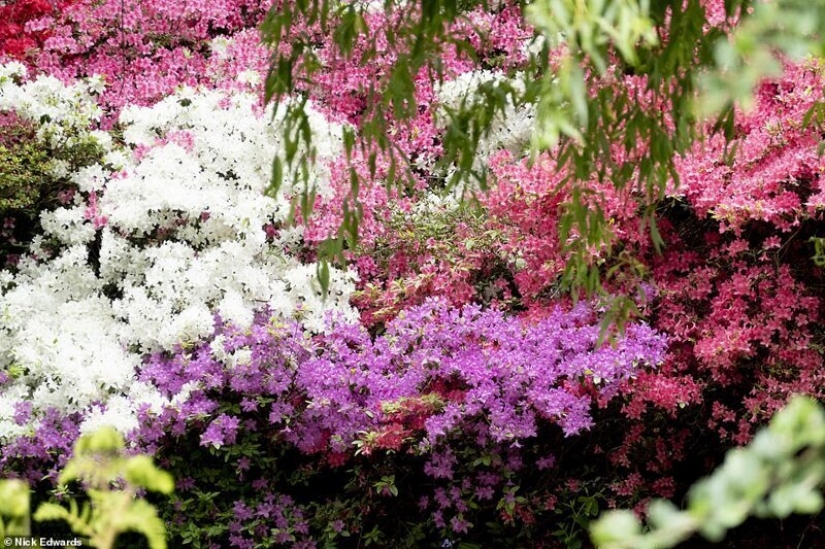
386	486
575	513
23	173
27	167
14	508
594	29
779	473
32	177
112	482
792	27
819	251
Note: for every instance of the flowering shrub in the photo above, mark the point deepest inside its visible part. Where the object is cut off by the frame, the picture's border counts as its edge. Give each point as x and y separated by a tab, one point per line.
17	38
142	50
169	226
776	174
434	248
441	413
150	283
40	146
738	291
735	286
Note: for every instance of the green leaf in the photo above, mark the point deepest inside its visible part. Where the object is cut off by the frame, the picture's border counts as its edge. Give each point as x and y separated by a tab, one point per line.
104	440
14	498
323	275
615	526
142	472
277	178
51	511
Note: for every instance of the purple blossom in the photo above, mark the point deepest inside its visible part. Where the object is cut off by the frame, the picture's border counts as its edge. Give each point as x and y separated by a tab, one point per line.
546	462
185	484
506	376
22	412
459	525
223	430
438	377
242	511
440	465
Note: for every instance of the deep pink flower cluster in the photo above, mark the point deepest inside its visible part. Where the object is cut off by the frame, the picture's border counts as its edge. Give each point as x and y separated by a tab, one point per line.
144	49
17	41
775	175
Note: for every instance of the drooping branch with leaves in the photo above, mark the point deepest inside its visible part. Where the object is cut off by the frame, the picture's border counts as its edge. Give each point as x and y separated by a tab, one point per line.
617	90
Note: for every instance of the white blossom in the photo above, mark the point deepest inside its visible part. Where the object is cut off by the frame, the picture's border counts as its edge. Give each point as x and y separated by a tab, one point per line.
176	221
510	129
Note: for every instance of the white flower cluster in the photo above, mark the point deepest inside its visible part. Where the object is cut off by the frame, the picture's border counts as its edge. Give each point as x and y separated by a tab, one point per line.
434	204
151	250
510	129
63	113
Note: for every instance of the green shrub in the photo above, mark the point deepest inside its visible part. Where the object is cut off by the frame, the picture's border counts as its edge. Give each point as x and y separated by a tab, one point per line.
33	180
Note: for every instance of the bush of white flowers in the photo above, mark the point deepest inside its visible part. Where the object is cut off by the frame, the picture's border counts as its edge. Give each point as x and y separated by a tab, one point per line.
171	228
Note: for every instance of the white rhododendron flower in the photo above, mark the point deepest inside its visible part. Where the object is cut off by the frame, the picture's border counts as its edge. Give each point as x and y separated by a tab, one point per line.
61	112
165	234
510	130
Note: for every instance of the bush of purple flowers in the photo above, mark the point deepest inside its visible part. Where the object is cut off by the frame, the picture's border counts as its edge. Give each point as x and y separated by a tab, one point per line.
281	437
299	440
